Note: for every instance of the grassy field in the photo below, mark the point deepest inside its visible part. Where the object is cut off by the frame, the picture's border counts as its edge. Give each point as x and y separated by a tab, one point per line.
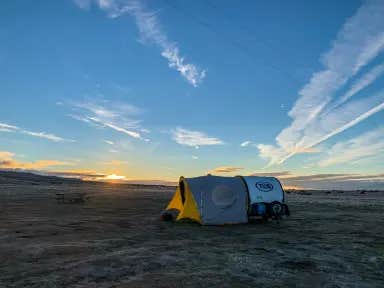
116	239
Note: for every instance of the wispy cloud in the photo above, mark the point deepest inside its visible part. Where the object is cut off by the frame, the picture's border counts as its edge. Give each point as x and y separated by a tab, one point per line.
225	169
319	113
366	145
116	127
83	4
116	116
151	182
150	32
193	138
115	162
280	174
79	174
362	82
8	128
272	153
189	71
246	143
14	129
7	161
47	136
336	181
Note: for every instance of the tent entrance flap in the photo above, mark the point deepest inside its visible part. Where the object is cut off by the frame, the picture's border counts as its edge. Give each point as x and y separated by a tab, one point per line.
176	202
184	201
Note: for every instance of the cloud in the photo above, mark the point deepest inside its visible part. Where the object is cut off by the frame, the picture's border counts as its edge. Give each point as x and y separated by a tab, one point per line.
116	116
151	182
193	138
189	71
8	128
318	177
5	155
151	32
116	127
14	129
363	82
115	162
327	181
79	174
246	143
7	161
368	144
195	157
109	142
46	136
279	174
320	112
272	153
336	181
89	175
225	169
83	4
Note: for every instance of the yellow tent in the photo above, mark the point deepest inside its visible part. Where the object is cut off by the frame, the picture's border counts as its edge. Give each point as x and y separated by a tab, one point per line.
184	202
210	200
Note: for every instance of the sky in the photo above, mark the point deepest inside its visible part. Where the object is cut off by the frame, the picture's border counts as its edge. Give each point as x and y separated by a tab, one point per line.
145	91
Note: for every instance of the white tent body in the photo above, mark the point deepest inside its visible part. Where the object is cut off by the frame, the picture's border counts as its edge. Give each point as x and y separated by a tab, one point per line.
264	189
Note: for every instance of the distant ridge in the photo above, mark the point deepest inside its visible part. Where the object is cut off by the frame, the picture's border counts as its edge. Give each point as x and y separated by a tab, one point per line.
20	177
30	178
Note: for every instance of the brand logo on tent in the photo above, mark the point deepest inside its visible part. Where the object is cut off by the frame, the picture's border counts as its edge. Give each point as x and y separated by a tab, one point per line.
264	186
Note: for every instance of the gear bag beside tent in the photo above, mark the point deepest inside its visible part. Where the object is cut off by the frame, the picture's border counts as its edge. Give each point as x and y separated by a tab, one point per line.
216	200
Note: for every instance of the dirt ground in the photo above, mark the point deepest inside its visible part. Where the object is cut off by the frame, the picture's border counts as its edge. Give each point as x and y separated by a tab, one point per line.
116	239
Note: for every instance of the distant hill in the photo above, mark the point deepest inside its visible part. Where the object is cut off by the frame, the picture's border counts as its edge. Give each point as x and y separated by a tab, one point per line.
29	178
19	177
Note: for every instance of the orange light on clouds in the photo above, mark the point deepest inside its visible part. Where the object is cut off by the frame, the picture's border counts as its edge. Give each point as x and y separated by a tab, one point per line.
8	161
291	187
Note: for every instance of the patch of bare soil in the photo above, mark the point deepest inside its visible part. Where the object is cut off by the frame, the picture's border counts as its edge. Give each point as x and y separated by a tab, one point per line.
116	239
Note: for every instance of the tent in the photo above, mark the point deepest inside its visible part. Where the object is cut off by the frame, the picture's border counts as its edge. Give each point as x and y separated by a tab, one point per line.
266	196
211	200
216	200
264	189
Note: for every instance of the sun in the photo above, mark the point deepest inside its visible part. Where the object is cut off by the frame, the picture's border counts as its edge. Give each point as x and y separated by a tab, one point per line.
114	177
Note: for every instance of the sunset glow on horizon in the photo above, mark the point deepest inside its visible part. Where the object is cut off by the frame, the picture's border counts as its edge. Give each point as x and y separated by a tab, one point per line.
114	177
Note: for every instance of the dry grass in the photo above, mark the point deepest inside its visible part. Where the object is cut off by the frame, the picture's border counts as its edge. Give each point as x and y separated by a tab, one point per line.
116	239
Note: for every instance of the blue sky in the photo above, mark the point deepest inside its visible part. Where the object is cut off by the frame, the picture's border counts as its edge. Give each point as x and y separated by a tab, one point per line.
151	90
